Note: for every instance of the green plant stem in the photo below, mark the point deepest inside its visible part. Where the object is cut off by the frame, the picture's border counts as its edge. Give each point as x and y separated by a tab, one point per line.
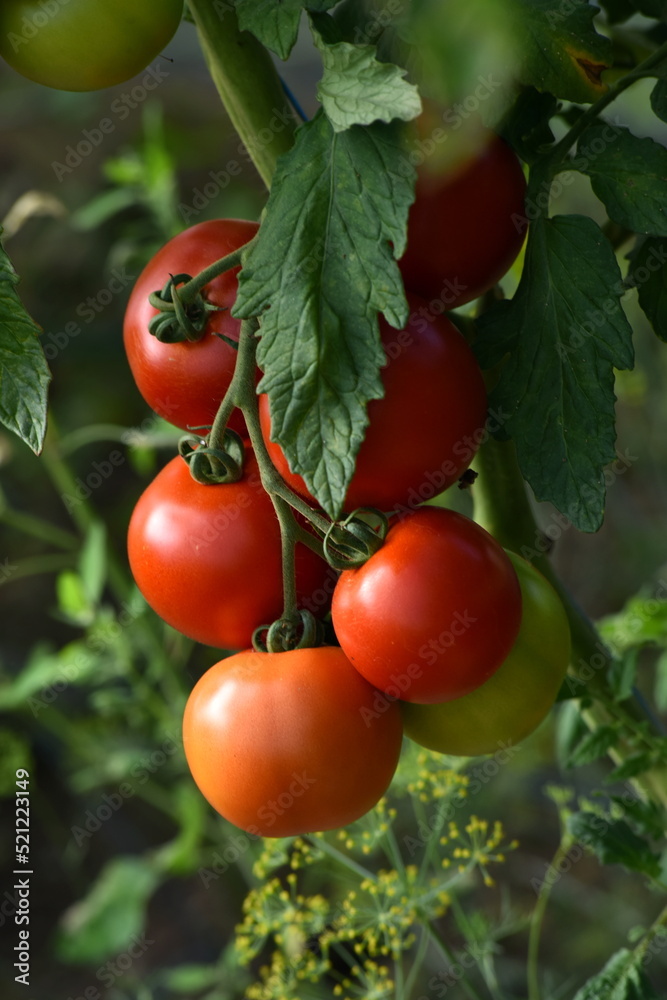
28	524
417	963
450	958
537	920
248	84
555	160
36	565
342	859
502	507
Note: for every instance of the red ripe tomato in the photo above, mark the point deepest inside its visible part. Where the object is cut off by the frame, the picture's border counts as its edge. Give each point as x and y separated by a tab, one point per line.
425	431
433	612
290	743
515	700
463	234
185	382
208	558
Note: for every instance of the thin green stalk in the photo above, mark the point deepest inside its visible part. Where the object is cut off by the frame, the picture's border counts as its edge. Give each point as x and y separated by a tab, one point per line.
502	507
248	84
537	921
417	963
28	524
450	958
341	858
36	565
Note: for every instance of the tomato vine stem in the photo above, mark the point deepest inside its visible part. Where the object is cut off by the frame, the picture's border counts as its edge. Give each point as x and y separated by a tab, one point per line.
248	84
555	160
502	507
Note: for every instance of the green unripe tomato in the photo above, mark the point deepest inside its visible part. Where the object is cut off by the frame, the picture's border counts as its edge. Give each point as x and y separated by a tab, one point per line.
518	696
85	44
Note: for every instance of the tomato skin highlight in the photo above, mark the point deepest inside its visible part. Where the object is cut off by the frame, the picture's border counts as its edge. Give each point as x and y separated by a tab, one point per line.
434	612
425	431
289	743
463	228
208	558
85	44
185	382
519	695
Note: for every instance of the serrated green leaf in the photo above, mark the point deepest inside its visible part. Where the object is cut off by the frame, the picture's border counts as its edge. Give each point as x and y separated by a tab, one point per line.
357	89
593	746
621	979
614	843
621	674
24	373
111	915
648	273
565	332
560	50
45	675
628	174
526	126
642	620
659	100
276	22
323	266
645	815
636	764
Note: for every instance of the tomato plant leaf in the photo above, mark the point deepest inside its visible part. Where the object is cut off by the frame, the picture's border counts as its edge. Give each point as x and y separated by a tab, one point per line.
628	174
24	373
592	747
104	923
648	274
630	768
659	100
560	50
565	331
357	89
614	842
622	673
621	979
276	24
646	816
322	267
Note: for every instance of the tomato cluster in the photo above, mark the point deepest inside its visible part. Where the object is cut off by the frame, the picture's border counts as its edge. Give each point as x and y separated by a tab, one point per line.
439	634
